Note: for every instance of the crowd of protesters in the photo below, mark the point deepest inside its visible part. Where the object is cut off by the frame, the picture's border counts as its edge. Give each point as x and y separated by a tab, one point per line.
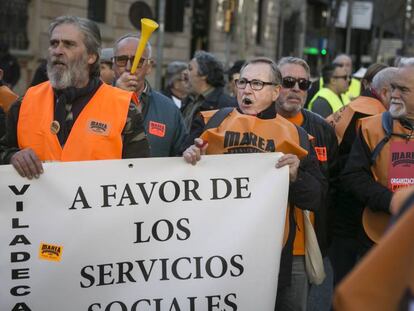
348	143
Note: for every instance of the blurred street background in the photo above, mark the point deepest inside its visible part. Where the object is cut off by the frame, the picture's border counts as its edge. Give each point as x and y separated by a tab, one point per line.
370	31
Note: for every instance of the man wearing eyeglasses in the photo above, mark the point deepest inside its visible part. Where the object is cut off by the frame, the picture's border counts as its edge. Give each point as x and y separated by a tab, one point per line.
295	84
255	126
354	90
163	122
328	99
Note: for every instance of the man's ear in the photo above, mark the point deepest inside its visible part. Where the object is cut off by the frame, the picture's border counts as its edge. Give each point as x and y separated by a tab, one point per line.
149	66
383	94
275	92
92	58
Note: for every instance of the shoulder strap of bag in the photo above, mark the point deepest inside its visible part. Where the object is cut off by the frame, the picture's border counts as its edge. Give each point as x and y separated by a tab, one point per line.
303	138
386	121
218	118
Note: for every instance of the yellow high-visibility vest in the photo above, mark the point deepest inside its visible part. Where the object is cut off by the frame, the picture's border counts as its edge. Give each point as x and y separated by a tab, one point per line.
331	97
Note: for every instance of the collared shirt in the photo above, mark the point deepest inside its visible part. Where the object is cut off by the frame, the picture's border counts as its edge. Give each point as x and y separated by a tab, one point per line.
176	101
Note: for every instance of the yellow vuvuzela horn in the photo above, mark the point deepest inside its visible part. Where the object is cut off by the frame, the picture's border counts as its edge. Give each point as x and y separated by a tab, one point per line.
147	28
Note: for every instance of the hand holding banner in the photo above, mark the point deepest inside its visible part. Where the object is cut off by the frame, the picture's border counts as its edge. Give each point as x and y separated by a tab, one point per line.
157	234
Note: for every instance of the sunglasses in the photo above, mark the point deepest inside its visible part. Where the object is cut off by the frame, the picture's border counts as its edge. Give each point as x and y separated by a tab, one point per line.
122	60
290	82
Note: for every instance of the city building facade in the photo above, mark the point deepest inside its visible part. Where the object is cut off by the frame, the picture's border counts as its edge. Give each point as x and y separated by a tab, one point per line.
232	29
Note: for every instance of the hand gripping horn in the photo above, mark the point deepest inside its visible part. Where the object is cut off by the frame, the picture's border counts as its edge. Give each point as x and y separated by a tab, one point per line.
147	28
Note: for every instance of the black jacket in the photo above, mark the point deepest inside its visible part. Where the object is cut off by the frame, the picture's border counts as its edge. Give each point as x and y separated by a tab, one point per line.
347	208
357	179
325	139
217	99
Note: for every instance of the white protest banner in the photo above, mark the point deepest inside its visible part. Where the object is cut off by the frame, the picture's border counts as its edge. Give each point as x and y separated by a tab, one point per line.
143	234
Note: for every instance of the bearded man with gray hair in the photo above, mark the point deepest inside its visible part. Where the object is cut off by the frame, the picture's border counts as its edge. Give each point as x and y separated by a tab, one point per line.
345	249
73	116
381	159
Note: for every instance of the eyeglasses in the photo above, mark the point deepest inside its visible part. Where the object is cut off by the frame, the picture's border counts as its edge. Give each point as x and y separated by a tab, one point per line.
122	60
255	84
290	82
347	78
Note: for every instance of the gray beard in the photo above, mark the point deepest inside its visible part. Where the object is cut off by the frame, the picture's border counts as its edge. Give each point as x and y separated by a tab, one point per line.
398	113
76	74
290	110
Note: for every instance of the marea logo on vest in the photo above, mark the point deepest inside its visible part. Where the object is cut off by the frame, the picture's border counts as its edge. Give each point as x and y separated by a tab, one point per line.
402	158
247	142
50	252
98	127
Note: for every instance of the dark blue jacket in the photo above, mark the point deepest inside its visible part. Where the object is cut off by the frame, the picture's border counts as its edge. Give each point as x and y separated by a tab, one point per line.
163	124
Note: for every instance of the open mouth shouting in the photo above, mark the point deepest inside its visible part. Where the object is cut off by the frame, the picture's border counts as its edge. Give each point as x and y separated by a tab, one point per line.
247	101
248	106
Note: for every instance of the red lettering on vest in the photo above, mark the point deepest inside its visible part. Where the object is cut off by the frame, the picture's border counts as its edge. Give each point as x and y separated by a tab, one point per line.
157	129
321	154
401	167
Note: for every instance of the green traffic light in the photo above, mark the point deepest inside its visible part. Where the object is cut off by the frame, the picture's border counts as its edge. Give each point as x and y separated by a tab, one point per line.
323	52
310	51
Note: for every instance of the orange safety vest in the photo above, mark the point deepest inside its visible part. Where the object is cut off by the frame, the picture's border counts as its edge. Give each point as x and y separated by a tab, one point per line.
95	135
239	133
340	120
375	223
